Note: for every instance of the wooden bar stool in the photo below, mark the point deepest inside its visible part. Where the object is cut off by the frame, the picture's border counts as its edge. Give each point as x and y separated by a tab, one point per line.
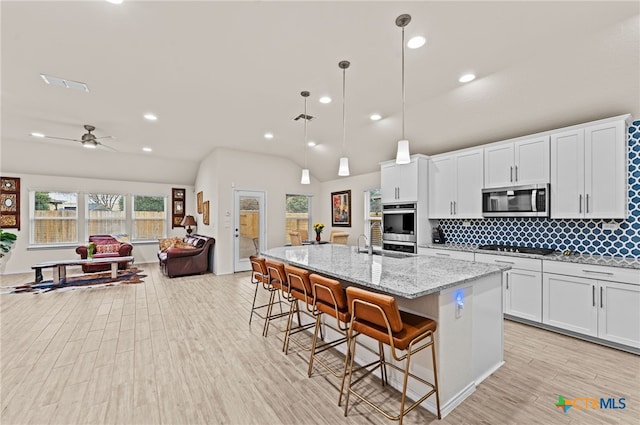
299	290
377	316
277	283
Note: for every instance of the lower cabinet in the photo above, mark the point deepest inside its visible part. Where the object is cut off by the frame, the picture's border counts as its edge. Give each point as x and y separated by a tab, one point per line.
523	294
597	308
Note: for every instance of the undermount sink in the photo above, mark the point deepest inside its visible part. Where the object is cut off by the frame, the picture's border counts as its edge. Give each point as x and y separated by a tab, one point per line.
391	254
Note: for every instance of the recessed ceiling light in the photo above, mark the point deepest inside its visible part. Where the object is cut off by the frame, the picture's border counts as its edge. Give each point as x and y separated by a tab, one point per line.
150	117
147	149
268	135
375	117
325	99
115	1
466	78
311	143
37	134
416	42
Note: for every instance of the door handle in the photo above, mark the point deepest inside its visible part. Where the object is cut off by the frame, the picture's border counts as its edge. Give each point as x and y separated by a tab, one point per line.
516	173
580	204
593	294
511	173
587	203
597	272
454	208
601	306
450	207
507	274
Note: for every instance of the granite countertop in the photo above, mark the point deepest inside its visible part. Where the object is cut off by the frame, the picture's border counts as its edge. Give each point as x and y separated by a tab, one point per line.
404	275
591	259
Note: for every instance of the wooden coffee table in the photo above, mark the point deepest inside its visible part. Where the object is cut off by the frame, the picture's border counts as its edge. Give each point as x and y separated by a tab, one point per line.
60	267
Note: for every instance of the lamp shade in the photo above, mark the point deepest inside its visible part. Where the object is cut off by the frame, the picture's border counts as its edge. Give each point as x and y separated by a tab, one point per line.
188	220
403	156
305	177
344	166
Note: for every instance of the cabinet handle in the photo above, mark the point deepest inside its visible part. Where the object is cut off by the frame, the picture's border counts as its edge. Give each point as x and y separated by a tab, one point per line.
593	294
511	173
507	274
598	272
450	207
454	208
502	261
601	306
443	254
587	203
580	204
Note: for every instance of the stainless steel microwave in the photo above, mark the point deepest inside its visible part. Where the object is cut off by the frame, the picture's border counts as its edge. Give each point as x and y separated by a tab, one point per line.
516	201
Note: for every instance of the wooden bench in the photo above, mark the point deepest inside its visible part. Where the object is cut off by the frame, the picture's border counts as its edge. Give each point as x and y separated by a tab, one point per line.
60	267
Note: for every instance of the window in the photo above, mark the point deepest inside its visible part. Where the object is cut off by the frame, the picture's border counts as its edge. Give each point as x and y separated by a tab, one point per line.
149	217
54	217
373	216
298	215
105	214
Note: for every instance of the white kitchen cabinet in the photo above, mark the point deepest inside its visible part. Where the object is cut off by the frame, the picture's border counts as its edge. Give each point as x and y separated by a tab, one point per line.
517	163
522	285
399	183
598	308
589	171
455	185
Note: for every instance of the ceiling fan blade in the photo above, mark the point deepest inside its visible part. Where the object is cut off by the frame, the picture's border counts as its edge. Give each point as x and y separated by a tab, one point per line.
104	137
107	147
62	138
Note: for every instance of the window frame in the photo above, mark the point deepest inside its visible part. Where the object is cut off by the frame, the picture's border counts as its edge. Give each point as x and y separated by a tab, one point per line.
133	219
309	214
88	220
33	218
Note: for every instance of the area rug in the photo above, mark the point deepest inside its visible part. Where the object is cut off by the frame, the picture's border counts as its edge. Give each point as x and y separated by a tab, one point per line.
93	280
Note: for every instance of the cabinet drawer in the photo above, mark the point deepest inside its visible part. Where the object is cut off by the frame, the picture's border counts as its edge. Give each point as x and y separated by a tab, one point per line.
522	263
446	253
611	274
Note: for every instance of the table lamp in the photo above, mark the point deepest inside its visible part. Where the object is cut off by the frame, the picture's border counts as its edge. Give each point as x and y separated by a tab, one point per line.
188	220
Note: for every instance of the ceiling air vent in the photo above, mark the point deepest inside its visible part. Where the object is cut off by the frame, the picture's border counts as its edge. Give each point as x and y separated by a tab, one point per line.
303	116
67	84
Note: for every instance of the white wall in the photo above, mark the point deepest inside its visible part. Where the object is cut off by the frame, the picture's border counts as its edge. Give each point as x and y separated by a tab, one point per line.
226	170
20	258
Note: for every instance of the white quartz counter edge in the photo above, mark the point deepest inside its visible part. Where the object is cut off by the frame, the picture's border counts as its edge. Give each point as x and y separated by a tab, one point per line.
590	259
409	277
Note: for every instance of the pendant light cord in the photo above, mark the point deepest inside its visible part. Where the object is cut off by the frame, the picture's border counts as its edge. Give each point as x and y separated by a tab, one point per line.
344	115
306	144
403	94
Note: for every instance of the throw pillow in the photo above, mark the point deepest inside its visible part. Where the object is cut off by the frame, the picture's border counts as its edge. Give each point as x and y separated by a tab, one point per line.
168	243
107	248
184	245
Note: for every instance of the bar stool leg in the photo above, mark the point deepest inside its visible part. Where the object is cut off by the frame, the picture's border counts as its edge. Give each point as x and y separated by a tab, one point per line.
435	375
255	294
268	316
314	344
383	364
293	308
352	350
404	386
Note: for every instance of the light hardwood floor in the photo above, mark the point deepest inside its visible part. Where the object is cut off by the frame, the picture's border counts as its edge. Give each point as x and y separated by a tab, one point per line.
178	351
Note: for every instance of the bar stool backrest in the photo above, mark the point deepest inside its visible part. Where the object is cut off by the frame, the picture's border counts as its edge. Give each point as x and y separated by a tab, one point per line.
296	239
329	292
362	306
259	269
299	280
277	275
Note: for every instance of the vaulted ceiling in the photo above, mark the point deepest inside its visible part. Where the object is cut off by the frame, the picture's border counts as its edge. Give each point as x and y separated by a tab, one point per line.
221	74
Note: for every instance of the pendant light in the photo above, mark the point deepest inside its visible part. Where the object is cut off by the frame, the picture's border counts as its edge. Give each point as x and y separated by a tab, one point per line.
344	160
305	171
403	156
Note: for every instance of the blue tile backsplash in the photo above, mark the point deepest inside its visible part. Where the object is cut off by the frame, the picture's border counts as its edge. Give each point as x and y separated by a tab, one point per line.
584	236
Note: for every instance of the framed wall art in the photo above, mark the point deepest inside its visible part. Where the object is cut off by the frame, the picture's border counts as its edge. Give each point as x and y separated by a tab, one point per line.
10	203
341	209
205	212
199	197
177	206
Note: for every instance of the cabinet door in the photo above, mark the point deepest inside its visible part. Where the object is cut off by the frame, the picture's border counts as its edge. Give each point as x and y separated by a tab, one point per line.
498	165
605	186
469	183
567	174
389	183
619	313
408	183
441	186
570	303
523	294
531	159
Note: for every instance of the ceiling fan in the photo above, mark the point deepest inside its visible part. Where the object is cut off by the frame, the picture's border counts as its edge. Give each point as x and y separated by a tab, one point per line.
88	140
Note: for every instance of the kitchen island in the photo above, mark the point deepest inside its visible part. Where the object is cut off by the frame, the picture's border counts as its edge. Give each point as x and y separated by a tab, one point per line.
463	297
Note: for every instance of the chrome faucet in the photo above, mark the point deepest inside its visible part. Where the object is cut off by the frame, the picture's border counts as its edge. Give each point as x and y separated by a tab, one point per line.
365	242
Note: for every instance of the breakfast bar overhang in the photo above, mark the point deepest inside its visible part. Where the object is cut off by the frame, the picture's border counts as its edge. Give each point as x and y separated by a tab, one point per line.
463	297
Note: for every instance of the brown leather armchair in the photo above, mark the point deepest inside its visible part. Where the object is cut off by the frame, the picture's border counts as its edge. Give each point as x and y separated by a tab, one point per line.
122	250
177	261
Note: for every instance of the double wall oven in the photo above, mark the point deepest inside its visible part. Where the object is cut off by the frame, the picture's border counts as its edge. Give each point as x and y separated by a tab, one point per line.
399	226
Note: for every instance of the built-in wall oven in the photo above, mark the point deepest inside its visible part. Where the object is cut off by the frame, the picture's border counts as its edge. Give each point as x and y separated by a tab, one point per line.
399	225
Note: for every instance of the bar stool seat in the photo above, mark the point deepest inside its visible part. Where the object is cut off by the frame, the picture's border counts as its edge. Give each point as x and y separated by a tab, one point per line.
377	316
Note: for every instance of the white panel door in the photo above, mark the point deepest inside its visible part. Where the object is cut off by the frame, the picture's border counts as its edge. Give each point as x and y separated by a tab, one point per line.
498	165
567	174
570	303
523	295
441	186
249	229
619	313
469	182
605	171
531	161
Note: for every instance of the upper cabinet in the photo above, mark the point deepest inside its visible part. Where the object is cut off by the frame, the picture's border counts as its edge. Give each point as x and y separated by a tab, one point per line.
517	163
455	185
399	183
589	171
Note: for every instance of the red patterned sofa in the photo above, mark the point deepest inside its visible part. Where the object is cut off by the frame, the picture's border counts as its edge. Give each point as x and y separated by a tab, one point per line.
106	246
182	257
